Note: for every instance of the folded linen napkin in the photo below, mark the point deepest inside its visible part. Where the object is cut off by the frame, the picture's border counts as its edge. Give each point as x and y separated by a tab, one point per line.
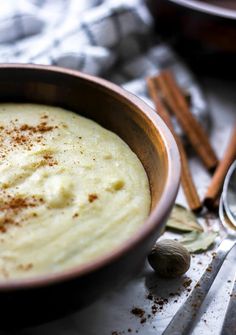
108	38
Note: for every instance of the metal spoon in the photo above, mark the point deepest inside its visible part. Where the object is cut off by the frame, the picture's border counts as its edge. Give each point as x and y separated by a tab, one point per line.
183	321
229	324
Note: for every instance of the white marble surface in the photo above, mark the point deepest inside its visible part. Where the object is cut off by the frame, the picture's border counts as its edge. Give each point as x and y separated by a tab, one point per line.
112	313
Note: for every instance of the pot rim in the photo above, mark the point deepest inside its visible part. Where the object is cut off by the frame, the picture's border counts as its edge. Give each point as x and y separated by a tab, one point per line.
207	8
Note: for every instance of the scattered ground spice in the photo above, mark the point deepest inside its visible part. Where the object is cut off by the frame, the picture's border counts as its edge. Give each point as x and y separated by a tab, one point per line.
12	205
75	215
150	296
4	272
47	156
49	159
25	267
3	229
213	255
139	312
20	139
92	197
154	309
195	305
16	204
209	269
44	116
187	283
42	127
22	135
158	302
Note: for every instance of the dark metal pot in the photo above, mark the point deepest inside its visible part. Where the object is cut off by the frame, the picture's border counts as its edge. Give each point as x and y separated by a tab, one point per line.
203	32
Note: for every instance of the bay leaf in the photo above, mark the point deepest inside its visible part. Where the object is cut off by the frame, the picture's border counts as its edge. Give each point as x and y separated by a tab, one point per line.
184	220
198	241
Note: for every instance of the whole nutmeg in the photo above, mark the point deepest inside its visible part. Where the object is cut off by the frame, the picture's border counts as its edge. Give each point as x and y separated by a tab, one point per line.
169	258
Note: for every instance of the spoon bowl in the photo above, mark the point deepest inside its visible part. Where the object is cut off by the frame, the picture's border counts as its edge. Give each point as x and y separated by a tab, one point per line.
229	195
229	227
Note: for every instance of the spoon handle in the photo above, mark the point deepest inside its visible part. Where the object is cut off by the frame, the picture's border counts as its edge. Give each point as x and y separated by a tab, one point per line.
230	317
182	322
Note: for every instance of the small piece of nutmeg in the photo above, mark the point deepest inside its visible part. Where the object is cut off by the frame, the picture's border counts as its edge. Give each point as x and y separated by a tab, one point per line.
169	258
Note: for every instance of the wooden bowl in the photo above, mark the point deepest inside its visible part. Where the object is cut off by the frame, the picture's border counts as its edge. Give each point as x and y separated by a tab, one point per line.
35	300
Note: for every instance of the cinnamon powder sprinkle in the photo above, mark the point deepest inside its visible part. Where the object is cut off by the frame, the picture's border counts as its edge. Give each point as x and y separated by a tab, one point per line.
187	283
50	160
3	229
25	267
17	204
92	197
24	135
12	206
42	127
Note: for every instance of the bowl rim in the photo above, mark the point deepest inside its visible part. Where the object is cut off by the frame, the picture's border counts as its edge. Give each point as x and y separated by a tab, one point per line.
207	8
158	213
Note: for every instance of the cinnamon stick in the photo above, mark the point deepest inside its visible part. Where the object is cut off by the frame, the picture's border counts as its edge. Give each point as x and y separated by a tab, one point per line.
186	178
197	136
217	181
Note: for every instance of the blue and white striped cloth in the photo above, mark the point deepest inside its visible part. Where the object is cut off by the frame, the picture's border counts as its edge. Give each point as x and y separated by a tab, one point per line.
108	38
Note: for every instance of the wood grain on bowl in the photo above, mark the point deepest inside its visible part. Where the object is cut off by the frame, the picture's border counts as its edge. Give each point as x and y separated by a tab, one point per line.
49	296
